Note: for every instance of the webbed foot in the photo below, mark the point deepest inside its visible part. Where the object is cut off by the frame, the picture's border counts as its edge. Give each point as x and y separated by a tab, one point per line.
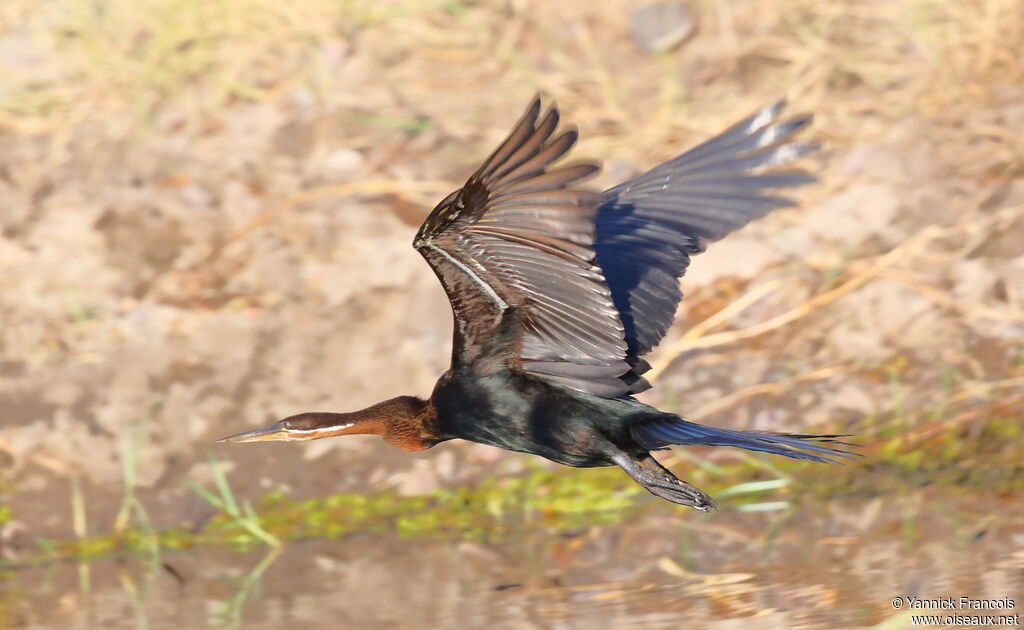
647	472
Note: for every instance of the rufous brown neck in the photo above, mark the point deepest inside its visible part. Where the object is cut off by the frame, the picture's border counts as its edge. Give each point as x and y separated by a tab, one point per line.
405	422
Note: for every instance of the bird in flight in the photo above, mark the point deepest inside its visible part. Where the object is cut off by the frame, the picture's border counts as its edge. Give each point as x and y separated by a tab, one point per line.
557	292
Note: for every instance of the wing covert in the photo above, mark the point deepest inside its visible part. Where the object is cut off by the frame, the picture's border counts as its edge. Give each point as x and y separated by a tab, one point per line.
518	234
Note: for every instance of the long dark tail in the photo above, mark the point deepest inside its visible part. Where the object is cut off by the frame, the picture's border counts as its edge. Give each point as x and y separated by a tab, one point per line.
805	446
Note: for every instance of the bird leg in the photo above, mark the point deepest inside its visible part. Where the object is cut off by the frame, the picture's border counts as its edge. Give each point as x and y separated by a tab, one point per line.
647	472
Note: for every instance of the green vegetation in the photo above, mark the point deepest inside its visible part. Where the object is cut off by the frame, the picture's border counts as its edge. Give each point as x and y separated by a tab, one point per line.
499	508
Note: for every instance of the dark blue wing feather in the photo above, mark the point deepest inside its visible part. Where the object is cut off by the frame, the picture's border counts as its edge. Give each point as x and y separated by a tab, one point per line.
649	227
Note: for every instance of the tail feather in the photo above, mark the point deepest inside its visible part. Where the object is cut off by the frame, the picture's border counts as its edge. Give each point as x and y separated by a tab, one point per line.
805	446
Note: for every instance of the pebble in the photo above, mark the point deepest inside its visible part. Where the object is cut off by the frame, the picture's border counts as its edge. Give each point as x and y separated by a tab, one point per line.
342	161
661	26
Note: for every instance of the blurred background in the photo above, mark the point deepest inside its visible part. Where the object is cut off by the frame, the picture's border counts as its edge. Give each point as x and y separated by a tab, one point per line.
206	210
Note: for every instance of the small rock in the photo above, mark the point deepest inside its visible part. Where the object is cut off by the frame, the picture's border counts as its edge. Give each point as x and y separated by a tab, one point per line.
196	196
661	26
342	162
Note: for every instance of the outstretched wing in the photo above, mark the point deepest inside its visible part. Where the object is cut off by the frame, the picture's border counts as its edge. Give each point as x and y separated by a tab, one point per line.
648	228
519	235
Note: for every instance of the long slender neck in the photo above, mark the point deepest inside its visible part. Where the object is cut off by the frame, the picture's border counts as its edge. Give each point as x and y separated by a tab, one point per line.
405	422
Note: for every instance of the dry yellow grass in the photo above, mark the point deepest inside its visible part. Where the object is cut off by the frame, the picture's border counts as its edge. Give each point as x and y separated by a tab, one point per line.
859	63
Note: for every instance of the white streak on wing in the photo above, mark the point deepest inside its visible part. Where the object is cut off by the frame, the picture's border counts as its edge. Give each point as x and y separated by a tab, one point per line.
469	272
771	134
785	153
762	118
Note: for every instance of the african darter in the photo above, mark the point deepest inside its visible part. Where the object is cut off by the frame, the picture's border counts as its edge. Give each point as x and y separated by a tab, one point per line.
557	293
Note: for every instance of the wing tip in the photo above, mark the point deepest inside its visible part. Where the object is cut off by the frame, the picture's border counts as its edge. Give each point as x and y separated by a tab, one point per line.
533	109
765	116
770	116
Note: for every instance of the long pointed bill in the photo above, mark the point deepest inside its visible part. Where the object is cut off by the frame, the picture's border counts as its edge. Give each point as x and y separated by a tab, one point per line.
274	433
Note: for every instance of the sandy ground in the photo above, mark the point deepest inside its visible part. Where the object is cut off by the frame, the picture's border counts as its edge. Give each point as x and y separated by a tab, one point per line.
182	263
201	274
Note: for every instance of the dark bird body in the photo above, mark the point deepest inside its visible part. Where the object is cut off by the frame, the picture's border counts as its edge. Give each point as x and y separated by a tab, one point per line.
558	292
514	412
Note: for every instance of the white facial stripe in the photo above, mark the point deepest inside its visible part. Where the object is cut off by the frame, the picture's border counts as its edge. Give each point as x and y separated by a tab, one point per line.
320	430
